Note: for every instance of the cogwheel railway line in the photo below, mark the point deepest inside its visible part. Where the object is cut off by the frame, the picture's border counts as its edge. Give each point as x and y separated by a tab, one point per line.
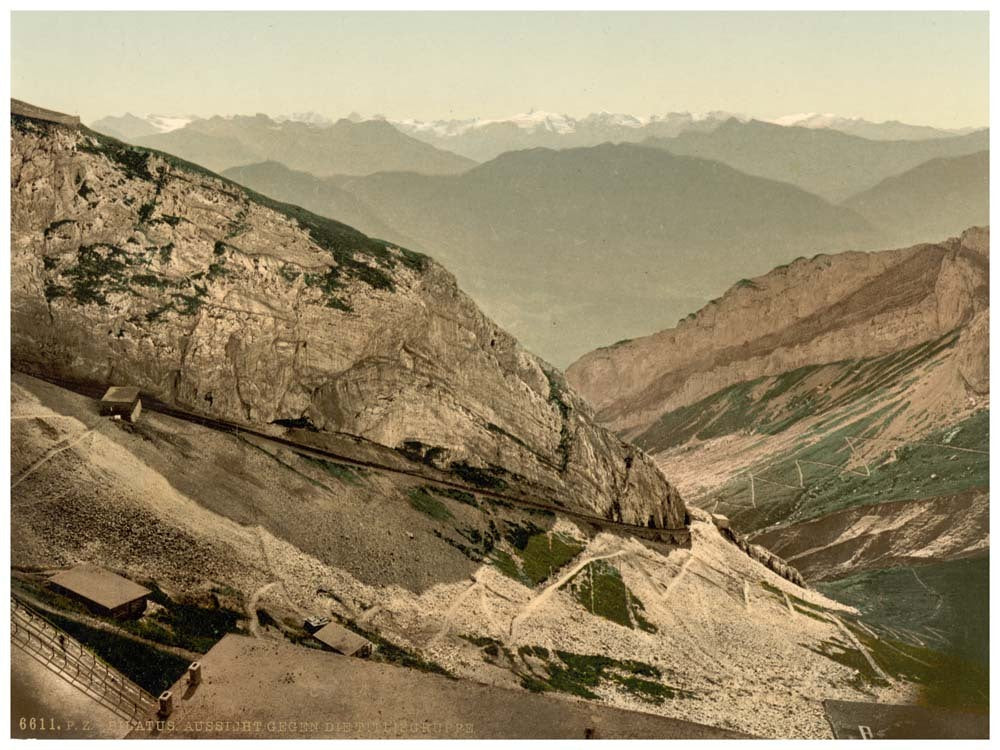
672	537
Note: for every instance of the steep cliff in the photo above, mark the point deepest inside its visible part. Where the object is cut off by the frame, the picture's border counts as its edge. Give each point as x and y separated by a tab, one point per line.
821	310
131	266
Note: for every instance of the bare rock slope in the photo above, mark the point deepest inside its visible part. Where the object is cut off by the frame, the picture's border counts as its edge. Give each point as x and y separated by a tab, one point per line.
826	309
131	266
490	593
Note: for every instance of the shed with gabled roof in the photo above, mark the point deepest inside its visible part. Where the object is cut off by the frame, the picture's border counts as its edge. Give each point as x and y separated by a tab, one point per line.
122	401
338	638
102	590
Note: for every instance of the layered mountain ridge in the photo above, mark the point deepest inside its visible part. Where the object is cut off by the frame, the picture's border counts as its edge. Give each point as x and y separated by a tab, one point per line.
580	245
343	147
811	311
828	163
936	199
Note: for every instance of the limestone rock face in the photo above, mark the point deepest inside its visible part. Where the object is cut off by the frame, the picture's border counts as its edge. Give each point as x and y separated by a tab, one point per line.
821	310
129	266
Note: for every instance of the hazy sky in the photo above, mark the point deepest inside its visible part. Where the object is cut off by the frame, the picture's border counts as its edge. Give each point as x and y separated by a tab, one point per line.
923	68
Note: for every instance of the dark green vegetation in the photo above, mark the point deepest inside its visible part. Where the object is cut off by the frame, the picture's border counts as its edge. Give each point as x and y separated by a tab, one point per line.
541	670
950	597
580	673
425	502
102	269
184	624
546	553
187	625
149	667
536	556
390	653
557	388
132	161
866	676
932	623
946	679
798	603
341	472
490	530
599	587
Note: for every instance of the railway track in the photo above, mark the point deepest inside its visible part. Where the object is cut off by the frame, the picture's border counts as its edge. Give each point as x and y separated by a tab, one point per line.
673	537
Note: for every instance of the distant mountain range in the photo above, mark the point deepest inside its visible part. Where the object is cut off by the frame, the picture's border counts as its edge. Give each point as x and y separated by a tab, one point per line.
579	247
595	244
932	201
344	147
129	126
486	139
828	163
890	130
321	195
482	139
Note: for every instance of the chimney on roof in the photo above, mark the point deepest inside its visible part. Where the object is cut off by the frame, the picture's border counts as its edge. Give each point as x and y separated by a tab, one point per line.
194	673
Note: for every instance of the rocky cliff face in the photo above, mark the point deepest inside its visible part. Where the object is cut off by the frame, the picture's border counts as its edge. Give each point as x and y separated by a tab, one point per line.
130	266
820	310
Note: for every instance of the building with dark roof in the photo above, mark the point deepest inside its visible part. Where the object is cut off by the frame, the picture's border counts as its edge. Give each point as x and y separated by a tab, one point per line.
123	402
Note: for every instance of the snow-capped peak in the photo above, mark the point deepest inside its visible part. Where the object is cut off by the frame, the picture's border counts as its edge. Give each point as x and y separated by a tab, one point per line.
308	118
166	123
813	120
535	120
615	119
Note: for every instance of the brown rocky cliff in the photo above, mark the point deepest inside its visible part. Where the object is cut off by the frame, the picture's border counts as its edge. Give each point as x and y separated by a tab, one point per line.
129	266
825	309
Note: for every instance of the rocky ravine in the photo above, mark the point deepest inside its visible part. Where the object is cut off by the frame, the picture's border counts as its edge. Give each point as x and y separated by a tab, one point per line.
130	266
825	309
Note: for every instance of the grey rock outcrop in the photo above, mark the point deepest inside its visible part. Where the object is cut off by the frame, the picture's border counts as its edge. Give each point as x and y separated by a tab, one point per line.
131	266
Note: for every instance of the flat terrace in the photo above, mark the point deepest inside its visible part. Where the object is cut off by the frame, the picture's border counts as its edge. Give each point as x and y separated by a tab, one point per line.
258	688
